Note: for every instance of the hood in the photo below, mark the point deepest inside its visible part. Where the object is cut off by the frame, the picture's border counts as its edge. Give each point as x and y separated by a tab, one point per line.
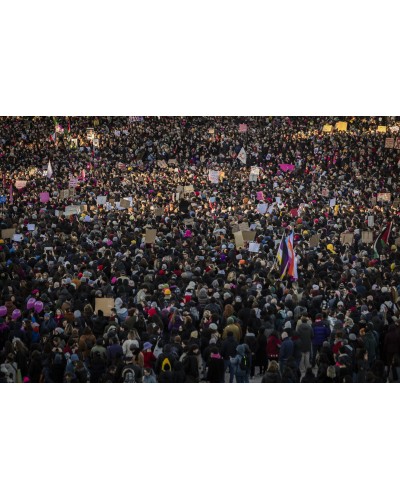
240	349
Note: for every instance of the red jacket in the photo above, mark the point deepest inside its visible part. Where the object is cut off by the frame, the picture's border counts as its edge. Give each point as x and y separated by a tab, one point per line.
273	344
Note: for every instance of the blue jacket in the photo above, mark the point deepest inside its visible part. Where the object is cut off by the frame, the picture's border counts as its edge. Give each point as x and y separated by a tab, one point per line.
321	333
286	350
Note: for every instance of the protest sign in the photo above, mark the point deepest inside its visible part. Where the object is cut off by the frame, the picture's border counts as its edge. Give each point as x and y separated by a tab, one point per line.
371	221
389	142
346	238
254	173
397	143
262	208
367	237
19	184
383	197
244	226
381	129
150	236
7	233
254	247
44	197
213	176
242	127
105	305
327	128
158	212
285	167
31	227
239	241
17	237
101	200
341	126
249	235
188	189
314	241
260	195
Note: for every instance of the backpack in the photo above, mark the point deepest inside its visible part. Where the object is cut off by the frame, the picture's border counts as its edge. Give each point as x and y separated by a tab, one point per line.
165	363
128	375
244	363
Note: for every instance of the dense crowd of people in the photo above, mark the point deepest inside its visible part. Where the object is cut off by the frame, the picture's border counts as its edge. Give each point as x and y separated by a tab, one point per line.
80	196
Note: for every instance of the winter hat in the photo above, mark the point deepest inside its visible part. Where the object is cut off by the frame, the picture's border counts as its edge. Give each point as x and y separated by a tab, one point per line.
213	326
147	345
284	335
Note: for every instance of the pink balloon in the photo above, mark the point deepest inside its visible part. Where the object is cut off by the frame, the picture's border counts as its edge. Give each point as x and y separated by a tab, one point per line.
31	303
16	314
3	311
38	306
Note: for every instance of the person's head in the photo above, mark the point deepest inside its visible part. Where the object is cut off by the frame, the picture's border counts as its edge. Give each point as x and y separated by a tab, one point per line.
273	367
331	372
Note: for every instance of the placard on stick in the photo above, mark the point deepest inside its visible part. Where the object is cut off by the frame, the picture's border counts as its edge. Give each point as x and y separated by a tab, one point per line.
105	305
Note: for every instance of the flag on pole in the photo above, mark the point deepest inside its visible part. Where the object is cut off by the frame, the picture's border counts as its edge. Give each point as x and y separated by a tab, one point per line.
49	172
242	156
292	267
283	257
382	240
53	137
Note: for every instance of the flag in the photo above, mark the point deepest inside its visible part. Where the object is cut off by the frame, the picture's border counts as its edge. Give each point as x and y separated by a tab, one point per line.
292	267
53	137
382	240
11	195
242	156
282	257
49	172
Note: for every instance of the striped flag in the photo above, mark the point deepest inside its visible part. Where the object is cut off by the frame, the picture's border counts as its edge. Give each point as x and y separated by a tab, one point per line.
283	257
382	240
292	268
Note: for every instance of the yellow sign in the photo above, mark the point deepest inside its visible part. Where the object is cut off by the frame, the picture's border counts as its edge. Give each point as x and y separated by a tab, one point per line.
327	128
341	126
381	128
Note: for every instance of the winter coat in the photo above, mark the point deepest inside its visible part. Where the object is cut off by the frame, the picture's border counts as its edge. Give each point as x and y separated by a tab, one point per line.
286	349
321	333
305	333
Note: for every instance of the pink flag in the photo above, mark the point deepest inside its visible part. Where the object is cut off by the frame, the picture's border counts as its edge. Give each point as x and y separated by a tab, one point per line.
242	127
44	197
260	195
285	167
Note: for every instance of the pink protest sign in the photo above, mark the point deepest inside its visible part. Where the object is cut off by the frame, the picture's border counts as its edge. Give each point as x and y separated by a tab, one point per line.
242	127
44	197
260	195
285	167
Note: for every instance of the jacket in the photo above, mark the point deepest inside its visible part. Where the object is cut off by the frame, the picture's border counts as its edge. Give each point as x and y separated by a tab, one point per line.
286	349
305	334
273	345
321	333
